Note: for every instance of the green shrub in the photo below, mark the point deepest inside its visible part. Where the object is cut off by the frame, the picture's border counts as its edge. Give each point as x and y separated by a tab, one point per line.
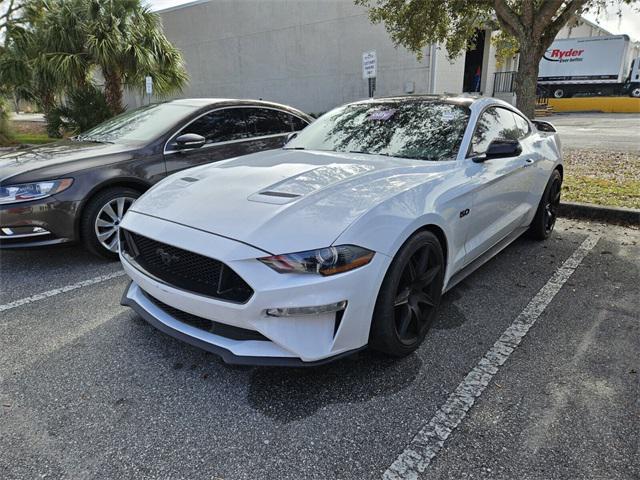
85	108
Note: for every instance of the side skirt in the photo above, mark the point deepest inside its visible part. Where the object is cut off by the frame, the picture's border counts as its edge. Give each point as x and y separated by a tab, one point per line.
485	257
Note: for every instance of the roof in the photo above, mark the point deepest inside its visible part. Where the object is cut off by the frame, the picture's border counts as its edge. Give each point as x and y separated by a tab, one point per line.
182	5
206	102
464	100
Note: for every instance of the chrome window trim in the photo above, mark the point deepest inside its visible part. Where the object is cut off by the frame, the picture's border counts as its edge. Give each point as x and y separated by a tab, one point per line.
226	142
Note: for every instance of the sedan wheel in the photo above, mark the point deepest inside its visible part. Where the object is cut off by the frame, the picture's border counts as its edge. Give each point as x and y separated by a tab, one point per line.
101	220
409	297
108	221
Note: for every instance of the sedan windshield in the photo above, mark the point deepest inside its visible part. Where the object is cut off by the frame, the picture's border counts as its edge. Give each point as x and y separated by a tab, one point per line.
140	125
423	130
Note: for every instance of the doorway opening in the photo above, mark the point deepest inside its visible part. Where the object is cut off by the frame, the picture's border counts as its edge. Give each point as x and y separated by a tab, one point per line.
473	64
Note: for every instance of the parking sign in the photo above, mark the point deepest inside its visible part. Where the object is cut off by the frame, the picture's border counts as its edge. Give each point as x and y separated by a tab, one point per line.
369	64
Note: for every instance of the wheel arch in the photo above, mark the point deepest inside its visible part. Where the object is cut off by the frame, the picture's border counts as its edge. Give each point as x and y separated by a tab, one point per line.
124	182
440	235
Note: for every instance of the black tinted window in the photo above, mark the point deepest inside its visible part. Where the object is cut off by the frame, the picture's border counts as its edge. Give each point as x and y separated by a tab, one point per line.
264	121
522	124
219	126
494	124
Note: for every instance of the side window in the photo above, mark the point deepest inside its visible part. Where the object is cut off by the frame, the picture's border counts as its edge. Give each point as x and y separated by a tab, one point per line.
522	124
264	121
494	124
219	126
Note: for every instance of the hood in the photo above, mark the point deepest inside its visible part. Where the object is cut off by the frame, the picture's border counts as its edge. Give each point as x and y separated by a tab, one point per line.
59	158
283	201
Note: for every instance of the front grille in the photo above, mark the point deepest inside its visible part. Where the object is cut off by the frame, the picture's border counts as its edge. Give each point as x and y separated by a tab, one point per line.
184	269
227	331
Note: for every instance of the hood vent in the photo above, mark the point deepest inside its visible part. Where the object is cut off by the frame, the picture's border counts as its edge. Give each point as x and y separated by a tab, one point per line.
280	194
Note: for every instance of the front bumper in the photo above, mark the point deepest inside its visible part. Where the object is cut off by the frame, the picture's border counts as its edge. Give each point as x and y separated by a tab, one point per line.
303	340
48	221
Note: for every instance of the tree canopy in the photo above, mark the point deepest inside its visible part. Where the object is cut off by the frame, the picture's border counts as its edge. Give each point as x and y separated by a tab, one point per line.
532	25
55	46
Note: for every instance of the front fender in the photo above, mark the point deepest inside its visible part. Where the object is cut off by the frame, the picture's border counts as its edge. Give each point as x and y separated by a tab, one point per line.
386	227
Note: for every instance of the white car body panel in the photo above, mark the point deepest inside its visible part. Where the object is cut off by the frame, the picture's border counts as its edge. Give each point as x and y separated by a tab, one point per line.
323	199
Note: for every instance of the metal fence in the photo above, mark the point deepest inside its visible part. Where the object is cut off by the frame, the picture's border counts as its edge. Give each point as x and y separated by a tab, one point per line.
503	82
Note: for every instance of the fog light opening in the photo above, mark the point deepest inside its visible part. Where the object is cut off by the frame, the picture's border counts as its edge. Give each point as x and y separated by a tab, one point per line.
303	311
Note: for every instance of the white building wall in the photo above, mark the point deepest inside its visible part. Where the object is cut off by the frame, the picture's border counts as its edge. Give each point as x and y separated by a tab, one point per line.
304	53
449	72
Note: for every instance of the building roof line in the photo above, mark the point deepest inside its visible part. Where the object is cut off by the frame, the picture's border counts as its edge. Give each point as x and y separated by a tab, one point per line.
182	5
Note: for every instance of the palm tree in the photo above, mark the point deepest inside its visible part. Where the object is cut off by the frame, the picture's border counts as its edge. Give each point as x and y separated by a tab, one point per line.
122	39
23	69
126	40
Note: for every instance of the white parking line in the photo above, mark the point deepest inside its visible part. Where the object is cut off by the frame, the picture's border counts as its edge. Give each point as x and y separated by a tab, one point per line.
58	291
430	439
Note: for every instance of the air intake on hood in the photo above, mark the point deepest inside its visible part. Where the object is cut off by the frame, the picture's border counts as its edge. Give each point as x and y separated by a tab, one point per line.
280	194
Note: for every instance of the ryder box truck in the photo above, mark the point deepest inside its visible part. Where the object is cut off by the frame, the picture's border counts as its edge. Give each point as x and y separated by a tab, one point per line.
590	66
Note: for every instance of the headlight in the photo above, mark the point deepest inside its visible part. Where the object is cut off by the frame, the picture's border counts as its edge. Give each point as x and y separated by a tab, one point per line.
23	192
325	261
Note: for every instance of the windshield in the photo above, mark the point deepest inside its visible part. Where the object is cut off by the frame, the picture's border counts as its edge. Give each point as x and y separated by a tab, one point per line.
424	130
140	125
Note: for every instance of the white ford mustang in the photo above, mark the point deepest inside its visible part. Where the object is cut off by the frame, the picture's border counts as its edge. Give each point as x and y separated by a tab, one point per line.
346	237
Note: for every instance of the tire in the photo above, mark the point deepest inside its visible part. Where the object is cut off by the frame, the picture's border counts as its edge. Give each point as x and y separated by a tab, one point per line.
542	225
96	218
635	93
559	93
409	297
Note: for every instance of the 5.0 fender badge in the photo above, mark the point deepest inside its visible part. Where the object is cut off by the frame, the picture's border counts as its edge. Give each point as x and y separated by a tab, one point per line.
464	212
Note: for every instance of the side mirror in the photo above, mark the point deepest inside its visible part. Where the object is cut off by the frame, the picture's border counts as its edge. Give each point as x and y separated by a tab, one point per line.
291	136
500	149
543	126
190	140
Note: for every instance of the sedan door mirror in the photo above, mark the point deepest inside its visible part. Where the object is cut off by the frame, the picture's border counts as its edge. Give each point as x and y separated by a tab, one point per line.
500	149
291	136
190	140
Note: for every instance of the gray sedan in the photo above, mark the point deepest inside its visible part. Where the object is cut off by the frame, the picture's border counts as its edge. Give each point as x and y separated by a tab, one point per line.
79	189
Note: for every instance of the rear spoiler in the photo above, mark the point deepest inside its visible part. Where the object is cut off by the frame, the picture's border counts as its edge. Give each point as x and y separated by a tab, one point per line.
543	126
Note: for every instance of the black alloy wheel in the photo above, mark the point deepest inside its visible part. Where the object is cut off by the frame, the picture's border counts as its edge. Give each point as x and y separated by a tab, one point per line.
409	297
414	305
547	213
551	206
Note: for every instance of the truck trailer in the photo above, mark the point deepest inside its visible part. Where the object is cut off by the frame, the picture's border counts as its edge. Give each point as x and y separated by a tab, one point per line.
590	66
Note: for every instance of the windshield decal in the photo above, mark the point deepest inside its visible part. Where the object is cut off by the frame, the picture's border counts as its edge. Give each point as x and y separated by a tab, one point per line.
381	114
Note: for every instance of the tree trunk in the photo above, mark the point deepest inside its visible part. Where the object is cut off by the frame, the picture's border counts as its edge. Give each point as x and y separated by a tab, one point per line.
113	90
526	80
47	101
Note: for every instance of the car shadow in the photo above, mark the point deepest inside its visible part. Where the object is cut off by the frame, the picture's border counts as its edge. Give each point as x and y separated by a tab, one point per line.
51	256
290	394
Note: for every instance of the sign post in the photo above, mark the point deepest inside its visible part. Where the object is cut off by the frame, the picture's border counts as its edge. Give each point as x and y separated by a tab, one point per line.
370	70
148	84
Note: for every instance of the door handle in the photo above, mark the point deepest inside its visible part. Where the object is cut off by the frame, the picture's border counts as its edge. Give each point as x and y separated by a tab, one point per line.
528	162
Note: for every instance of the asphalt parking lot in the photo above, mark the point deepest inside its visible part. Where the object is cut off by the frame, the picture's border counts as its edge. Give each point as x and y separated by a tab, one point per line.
89	390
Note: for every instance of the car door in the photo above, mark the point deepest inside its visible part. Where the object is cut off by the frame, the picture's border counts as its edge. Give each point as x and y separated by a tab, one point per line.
268	127
225	133
501	199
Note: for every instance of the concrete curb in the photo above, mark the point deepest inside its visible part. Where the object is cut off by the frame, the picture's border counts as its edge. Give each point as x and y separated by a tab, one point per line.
588	211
